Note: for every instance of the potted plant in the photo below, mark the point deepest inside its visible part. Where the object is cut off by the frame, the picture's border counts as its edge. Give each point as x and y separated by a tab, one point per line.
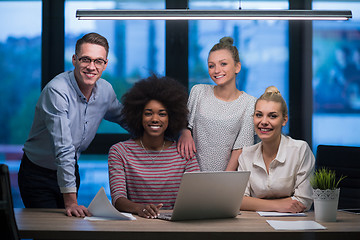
326	194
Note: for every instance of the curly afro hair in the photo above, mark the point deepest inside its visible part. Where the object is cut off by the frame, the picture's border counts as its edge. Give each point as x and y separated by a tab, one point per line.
169	92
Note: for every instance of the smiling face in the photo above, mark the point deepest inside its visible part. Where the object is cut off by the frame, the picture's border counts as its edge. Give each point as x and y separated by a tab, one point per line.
268	120
87	74
155	119
222	67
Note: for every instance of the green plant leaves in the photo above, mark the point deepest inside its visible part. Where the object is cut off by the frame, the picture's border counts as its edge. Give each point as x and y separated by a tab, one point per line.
324	178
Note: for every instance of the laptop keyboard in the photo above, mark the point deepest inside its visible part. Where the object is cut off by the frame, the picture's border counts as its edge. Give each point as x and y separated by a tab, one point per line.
165	216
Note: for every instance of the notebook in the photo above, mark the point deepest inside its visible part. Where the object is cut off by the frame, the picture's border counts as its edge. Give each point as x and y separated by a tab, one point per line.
206	195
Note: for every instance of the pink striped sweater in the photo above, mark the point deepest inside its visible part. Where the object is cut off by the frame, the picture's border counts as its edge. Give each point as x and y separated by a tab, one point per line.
135	175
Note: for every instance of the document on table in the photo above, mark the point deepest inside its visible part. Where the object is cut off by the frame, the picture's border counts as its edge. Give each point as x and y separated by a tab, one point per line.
295	225
101	209
279	214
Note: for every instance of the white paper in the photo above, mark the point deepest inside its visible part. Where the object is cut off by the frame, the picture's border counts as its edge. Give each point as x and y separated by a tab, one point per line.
280	214
295	225
101	209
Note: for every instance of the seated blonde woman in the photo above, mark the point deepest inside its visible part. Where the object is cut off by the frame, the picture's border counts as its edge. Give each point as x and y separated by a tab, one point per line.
280	166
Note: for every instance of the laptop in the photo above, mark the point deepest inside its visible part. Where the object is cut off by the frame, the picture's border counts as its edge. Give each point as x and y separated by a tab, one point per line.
207	195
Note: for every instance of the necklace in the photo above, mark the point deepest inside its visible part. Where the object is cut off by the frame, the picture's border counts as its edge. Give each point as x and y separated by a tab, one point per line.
152	158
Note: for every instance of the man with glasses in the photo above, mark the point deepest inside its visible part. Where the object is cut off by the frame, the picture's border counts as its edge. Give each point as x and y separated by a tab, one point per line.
67	116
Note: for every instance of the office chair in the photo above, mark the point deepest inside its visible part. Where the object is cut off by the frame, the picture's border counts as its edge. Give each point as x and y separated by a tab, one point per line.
345	161
8	227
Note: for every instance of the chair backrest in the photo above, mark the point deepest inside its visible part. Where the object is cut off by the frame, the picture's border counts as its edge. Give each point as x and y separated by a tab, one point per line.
8	227
345	161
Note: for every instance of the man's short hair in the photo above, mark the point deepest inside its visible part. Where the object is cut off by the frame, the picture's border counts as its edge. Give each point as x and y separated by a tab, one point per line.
93	38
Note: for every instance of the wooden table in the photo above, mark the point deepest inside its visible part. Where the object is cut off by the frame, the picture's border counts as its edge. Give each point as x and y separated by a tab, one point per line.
53	224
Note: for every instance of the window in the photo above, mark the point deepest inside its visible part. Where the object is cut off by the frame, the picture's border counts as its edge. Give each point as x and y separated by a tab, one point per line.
336	77
20	48
137	48
262	45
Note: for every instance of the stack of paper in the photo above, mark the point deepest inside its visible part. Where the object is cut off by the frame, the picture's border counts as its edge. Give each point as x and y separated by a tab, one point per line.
295	225
280	214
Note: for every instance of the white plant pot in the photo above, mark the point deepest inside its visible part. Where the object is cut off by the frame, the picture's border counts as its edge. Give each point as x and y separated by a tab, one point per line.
326	204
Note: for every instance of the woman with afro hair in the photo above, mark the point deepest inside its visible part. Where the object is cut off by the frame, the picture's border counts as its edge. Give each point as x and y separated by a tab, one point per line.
145	171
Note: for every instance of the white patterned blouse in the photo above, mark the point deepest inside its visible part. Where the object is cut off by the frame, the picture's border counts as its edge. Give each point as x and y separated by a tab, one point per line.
218	126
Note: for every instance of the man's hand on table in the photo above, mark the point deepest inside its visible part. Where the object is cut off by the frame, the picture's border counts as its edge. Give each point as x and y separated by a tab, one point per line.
72	208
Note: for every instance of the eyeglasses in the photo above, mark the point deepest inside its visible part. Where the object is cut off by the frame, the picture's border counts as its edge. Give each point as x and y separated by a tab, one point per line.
99	62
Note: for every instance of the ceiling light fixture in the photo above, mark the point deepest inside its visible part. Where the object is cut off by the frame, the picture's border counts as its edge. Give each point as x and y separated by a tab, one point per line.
186	14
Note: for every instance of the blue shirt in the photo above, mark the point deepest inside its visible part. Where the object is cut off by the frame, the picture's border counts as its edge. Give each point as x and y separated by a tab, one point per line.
65	123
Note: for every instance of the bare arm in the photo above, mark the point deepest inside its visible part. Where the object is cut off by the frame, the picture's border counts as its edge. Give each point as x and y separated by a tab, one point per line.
72	208
272	205
186	145
146	211
233	162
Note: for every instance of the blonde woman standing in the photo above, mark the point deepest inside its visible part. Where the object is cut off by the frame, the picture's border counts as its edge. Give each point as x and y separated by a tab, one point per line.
220	120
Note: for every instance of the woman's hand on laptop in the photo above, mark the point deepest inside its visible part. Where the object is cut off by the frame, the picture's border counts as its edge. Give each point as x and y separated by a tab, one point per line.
150	210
